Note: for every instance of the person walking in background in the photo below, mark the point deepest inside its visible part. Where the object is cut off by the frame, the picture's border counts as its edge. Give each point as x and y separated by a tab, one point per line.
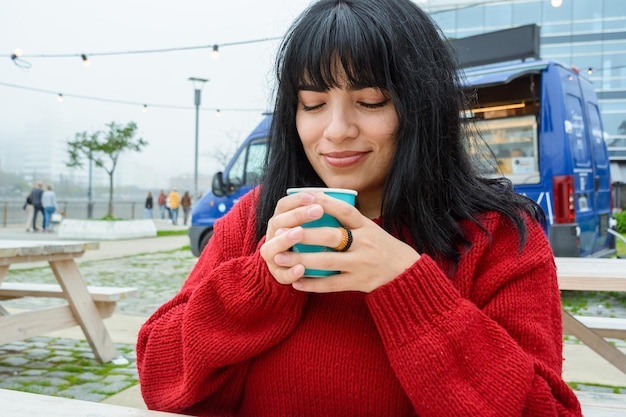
147	213
35	197
28	207
185	203
49	203
162	205
447	301
167	209
174	200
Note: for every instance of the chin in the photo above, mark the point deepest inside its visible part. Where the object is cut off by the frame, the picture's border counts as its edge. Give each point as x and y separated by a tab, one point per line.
344	185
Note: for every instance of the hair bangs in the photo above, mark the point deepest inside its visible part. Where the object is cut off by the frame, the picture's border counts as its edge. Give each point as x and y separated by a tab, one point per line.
343	49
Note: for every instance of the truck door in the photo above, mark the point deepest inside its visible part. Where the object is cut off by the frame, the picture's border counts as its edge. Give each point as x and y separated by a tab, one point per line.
582	169
602	178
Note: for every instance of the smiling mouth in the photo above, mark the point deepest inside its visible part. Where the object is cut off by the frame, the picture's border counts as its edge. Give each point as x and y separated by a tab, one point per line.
343	159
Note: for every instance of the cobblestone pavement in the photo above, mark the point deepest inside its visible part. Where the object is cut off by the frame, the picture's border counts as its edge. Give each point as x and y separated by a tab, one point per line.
67	367
64	368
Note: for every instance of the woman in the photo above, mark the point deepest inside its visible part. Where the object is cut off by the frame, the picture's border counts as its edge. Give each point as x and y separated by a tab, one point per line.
447	303
147	213
49	204
28	207
185	203
161	201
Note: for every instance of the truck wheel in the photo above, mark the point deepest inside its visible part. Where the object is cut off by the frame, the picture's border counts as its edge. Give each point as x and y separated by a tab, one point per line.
205	240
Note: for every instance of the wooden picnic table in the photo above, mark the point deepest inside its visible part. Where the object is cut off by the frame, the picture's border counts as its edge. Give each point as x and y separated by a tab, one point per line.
85	306
19	404
593	274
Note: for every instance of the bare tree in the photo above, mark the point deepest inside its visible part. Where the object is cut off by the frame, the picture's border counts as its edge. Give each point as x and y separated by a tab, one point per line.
223	155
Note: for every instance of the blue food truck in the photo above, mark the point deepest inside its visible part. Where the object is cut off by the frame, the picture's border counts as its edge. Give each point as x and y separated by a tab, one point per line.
241	174
541	121
538	120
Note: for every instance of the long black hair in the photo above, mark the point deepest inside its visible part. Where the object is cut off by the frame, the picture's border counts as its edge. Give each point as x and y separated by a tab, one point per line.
392	45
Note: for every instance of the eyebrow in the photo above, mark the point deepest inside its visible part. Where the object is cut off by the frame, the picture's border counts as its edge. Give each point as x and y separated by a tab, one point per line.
320	89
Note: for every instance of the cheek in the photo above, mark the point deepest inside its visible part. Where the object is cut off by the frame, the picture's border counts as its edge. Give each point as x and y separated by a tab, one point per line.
309	132
389	148
389	125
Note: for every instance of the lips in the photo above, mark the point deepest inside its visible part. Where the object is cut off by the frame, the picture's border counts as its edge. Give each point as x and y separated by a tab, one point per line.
343	159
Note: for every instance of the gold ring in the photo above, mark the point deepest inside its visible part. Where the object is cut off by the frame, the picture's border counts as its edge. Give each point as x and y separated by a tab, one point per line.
346	240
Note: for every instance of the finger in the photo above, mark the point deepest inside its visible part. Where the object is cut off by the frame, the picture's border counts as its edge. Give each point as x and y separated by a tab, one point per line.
281	242
330	237
280	262
345	213
293	201
295	217
288	276
283	206
333	283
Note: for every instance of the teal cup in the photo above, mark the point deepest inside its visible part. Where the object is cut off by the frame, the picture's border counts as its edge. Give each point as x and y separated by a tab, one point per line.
349	196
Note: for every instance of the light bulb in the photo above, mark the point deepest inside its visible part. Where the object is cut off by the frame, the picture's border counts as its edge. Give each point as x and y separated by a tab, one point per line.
17	52
86	61
216	52
556	3
145	108
60	98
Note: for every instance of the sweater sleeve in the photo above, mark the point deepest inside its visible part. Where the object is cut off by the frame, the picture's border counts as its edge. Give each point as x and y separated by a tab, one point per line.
489	341
195	350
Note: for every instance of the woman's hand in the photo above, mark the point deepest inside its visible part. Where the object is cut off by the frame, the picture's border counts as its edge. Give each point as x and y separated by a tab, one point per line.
374	258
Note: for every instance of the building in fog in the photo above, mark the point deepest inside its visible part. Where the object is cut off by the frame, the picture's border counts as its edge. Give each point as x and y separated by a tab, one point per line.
37	155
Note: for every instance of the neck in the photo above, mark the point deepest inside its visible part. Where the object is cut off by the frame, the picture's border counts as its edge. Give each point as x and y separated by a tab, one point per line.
369	204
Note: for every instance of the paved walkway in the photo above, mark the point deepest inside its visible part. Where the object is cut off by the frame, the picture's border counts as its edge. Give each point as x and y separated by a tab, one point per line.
581	365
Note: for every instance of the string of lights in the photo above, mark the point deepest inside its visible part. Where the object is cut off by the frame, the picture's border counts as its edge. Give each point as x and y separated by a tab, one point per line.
18	56
19	60
143	105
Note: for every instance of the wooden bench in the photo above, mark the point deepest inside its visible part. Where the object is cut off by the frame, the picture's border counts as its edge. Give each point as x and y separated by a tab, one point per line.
612	327
81	308
105	298
594	274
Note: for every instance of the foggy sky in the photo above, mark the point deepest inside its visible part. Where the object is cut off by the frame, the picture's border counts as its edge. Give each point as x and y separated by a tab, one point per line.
241	78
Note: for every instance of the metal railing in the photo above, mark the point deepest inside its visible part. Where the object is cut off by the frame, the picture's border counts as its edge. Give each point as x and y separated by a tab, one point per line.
12	212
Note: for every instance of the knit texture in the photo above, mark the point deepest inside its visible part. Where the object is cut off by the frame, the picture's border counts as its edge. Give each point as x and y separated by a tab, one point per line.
485	342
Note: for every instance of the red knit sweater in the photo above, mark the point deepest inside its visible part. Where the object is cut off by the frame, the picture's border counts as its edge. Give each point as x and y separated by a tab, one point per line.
486	342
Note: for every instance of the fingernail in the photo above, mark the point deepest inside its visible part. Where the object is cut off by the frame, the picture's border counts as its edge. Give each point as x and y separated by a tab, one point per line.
281	258
315	211
296	233
298	285
307	198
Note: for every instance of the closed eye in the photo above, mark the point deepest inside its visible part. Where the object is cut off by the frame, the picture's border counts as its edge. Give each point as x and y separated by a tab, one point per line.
375	105
311	108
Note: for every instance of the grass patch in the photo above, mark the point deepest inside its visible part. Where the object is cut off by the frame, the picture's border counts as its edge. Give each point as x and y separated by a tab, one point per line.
172	232
108	218
620	246
580	386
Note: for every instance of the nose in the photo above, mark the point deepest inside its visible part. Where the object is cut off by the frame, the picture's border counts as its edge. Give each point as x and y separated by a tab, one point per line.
340	125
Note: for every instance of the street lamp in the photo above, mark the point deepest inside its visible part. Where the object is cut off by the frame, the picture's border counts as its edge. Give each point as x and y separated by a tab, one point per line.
198	83
89	190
